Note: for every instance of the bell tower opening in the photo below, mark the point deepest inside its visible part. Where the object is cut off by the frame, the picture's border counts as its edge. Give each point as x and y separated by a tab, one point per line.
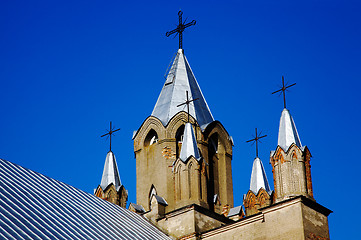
179	138
213	187
151	138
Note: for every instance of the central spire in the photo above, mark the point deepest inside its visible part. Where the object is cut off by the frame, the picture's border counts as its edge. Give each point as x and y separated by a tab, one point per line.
180	79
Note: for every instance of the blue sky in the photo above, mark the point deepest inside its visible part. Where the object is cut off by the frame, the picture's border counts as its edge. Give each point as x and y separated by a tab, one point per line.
67	68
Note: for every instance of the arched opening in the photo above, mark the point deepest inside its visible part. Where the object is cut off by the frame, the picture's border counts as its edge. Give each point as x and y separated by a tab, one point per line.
213	185
179	138
151	138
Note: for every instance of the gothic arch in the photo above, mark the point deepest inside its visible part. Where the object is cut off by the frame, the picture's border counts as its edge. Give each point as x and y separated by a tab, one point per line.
223	136
149	124
179	137
151	138
176	121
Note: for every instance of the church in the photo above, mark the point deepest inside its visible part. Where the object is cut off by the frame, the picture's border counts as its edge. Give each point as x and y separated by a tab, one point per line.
184	182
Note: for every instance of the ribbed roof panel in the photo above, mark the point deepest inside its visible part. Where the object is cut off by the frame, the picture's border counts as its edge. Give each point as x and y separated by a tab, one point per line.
33	206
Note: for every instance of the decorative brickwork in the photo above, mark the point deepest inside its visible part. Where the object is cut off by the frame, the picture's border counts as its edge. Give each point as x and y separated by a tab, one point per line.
291	173
252	202
110	194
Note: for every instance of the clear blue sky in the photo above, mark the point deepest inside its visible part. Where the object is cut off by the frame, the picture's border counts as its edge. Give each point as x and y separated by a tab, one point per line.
67	68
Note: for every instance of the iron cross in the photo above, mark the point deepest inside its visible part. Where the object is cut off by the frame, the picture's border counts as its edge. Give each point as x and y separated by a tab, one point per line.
187	102
283	89
180	28
110	133
256	139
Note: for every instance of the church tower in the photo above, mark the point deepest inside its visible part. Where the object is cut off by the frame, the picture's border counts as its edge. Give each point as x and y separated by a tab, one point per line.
182	154
259	194
290	162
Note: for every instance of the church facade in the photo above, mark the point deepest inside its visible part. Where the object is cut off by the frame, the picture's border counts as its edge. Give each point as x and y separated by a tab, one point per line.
184	173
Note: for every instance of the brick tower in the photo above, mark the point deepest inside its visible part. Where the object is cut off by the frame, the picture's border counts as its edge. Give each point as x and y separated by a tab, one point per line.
184	163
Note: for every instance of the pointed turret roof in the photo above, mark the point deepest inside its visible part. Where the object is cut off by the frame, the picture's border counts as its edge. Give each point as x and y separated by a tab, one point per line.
287	131
189	144
258	177
110	172
179	80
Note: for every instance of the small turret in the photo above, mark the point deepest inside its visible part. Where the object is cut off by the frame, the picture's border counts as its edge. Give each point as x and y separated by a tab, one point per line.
259	193
290	162
111	188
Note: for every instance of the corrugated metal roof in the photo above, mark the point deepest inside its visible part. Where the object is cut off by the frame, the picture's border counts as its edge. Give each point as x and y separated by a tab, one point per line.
33	206
179	80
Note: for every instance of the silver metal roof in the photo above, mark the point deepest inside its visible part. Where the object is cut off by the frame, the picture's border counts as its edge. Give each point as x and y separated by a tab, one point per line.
33	206
287	133
189	144
137	207
110	172
258	177
235	211
179	80
161	200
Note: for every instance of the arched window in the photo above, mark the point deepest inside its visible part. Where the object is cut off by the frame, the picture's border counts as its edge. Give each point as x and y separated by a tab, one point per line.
151	138
213	143
179	138
213	165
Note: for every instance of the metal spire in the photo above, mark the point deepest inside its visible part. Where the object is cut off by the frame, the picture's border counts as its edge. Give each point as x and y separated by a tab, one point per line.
187	102
180	28
256	139
110	132
283	89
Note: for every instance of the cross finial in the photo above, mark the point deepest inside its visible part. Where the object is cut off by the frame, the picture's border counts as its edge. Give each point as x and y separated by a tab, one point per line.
256	139
187	102
110	132
283	89
180	28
